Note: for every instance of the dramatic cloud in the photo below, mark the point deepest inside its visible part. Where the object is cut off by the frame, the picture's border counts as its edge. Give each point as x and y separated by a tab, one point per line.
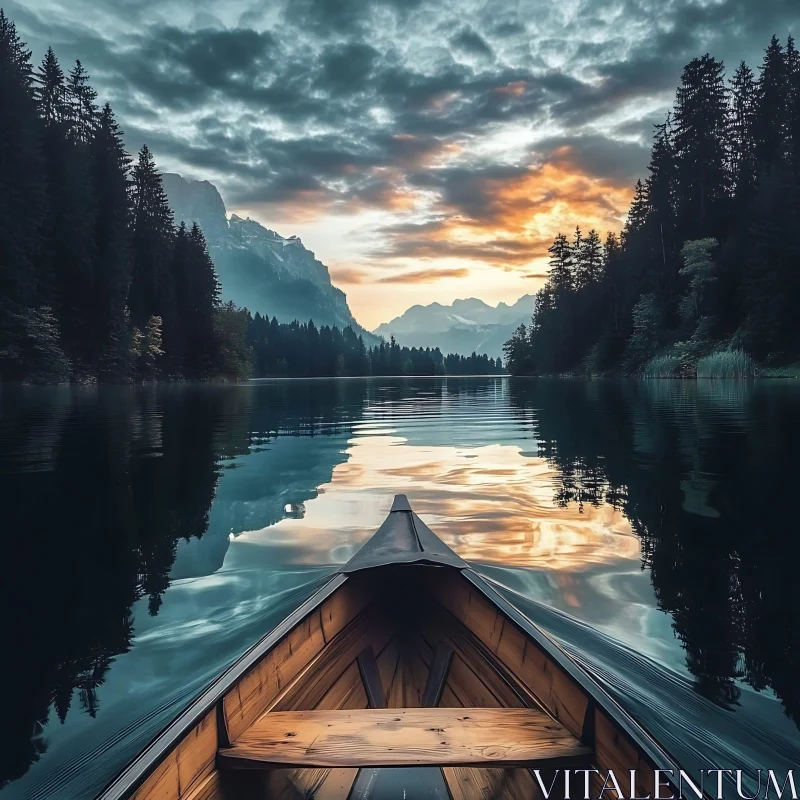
425	275
390	132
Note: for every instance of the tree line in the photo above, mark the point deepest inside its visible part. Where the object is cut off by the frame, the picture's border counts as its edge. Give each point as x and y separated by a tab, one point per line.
707	262
301	350
98	282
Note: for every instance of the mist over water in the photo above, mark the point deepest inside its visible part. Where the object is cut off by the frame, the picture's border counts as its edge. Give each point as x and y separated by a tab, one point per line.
151	534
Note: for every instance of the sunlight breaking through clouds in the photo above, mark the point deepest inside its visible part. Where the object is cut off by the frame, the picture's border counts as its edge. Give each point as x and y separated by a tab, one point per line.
362	124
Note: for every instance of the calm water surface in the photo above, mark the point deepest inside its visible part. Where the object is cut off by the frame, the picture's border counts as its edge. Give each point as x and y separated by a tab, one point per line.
151	534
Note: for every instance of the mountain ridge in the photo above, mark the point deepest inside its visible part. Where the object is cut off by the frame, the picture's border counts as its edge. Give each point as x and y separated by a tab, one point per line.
466	325
258	268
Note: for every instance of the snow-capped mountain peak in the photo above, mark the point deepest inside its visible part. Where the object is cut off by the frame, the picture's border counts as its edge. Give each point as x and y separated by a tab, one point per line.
465	325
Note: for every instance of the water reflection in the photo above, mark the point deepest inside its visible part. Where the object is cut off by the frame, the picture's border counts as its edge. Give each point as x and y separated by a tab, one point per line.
101	489
153	533
703	472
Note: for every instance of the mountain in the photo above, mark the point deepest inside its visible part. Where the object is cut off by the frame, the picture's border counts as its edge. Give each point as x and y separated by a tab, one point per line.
463	327
258	268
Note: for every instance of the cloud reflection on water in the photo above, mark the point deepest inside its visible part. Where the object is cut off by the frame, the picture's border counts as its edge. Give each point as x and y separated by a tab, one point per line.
491	504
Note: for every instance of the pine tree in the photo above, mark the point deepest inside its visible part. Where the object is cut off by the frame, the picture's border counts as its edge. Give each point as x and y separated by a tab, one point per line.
52	90
638	212
614	290
87	266
661	181
772	282
197	295
110	167
590	260
83	116
22	194
770	119
234	357
180	268
560	275
517	352
744	97
574	262
725	168
152	290
70	221
700	141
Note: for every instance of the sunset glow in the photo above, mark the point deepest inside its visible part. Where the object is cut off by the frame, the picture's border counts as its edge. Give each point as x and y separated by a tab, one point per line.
423	151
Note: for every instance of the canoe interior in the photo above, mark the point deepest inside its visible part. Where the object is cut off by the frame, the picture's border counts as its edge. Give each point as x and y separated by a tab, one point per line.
395	637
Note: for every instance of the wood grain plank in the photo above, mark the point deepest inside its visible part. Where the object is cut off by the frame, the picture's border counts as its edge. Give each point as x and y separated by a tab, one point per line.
615	751
472	691
285	784
209	789
340	608
186	766
252	695
394	697
449	700
405	737
337	785
416	676
474	783
278	672
558	692
387	666
472	677
369	628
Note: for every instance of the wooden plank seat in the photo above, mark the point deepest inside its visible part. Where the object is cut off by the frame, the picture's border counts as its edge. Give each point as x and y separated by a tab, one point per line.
405	737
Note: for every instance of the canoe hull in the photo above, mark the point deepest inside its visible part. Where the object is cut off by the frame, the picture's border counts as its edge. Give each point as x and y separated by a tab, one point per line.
419	630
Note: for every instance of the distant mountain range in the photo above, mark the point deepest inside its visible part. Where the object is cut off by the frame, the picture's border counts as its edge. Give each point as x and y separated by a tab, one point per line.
258	268
463	327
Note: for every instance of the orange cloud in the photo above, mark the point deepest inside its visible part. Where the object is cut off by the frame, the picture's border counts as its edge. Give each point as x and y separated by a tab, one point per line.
510	221
425	275
513	89
347	275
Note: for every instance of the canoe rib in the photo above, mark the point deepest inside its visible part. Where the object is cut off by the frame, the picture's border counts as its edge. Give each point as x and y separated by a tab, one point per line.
485	737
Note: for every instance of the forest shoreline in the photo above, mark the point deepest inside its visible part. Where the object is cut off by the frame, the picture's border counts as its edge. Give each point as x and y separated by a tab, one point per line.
769	373
238	381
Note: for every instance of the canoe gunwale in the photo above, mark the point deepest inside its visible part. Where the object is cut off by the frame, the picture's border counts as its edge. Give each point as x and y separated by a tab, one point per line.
137	770
598	695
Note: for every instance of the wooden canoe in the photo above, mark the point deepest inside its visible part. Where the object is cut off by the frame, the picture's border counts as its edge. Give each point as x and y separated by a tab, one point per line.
406	657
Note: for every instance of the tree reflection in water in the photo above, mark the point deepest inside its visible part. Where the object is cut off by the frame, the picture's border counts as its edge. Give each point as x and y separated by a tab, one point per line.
99	485
705	472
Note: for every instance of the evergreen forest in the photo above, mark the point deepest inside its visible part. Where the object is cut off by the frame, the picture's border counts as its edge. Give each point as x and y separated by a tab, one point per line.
100	284
705	277
98	281
299	350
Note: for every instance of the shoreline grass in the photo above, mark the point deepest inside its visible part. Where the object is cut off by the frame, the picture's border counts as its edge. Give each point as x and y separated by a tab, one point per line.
719	365
664	366
726	364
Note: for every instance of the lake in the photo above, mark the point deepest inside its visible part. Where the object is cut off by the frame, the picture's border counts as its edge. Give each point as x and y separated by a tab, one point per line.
151	534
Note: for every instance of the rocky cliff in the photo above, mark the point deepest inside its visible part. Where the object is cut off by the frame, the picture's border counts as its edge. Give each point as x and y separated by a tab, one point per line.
258	268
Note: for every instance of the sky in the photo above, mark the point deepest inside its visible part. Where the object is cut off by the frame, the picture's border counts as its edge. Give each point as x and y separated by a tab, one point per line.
425	151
